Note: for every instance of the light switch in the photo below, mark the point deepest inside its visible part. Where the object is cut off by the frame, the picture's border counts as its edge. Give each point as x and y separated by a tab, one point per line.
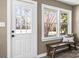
2	24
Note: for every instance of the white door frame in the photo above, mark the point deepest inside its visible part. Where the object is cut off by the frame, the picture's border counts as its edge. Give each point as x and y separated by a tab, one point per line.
9	25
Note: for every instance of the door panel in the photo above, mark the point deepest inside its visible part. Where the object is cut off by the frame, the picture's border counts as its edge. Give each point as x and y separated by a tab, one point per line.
24	25
21	47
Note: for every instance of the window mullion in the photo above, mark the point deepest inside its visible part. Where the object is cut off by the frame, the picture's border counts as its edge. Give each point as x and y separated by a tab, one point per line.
58	24
70	23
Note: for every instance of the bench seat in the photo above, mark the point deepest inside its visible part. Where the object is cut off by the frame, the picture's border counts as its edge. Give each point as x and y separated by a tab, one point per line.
59	44
53	47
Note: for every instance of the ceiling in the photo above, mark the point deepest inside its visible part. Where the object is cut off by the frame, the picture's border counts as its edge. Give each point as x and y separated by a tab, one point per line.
70	2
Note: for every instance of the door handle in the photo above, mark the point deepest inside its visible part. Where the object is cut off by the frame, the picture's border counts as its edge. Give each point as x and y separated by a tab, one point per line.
12	31
13	35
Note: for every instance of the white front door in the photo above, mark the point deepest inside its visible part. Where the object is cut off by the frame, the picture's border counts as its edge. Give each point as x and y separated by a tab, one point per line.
24	29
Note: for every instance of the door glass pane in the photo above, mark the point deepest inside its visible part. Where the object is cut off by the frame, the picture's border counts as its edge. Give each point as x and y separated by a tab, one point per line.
18	17
63	23
23	19
50	18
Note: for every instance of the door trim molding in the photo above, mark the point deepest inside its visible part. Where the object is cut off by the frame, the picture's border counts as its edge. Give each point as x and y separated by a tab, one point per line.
8	28
9	25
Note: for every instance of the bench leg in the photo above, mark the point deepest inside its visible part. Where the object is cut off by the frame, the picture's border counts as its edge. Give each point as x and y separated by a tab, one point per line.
75	46
48	51
53	54
69	47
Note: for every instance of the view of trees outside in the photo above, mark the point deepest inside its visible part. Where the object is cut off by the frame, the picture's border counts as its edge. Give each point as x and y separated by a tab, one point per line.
23	18
50	16
63	23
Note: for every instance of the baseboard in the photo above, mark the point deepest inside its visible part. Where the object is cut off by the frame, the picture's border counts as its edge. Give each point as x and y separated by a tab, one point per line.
42	55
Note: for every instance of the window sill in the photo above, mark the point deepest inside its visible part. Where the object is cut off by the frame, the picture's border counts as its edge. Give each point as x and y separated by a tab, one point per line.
51	38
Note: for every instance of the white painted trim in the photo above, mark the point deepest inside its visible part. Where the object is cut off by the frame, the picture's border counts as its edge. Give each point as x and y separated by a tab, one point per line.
58	23
28	1
47	38
9	4
42	55
8	28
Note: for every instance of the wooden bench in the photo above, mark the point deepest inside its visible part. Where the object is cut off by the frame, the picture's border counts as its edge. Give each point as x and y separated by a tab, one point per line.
52	47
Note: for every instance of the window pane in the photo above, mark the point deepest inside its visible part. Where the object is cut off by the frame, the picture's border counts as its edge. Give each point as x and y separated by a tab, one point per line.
50	16
23	19
63	23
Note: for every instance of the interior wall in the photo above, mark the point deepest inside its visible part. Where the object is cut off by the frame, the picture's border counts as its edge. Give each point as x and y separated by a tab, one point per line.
76	21
3	30
41	45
